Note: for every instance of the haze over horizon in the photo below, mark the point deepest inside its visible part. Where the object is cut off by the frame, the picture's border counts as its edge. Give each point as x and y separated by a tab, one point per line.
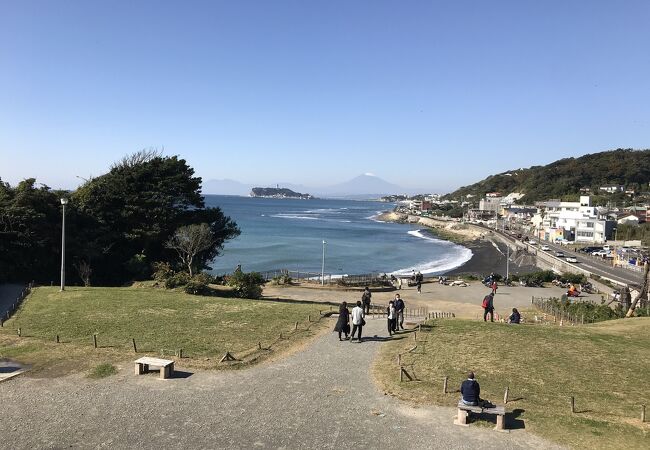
429	96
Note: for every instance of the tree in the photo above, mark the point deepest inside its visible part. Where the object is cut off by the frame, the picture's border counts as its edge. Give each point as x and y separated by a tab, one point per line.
190	240
126	216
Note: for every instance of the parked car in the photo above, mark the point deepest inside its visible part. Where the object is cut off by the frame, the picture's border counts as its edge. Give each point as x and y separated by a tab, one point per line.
601	253
559	254
571	259
546	248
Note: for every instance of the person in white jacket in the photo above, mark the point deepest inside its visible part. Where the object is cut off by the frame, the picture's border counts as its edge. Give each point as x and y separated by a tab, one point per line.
357	321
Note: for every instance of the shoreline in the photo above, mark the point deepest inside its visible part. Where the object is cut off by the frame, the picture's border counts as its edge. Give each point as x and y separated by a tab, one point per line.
487	256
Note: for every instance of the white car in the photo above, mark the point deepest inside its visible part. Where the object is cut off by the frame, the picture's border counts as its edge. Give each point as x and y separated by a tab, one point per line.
571	259
559	254
531	242
546	248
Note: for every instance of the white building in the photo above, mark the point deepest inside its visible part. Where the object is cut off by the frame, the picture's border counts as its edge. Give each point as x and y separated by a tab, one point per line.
574	221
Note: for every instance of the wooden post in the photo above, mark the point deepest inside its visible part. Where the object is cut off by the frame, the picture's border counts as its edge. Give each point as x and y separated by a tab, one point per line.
57	338
180	353
95	340
415	335
296	327
573	404
401	376
259	346
505	395
135	347
582	320
399	359
420	327
19	332
280	334
309	318
444	385
642	413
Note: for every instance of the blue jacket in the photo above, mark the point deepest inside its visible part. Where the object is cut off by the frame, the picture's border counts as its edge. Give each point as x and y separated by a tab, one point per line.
470	390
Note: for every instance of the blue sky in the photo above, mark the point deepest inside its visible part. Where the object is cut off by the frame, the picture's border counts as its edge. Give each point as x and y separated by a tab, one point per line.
426	94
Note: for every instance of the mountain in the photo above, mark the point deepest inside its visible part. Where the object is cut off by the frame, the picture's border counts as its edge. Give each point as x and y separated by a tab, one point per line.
566	177
225	187
362	186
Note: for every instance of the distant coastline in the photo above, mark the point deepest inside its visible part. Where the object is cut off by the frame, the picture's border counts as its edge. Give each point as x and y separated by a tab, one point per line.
259	192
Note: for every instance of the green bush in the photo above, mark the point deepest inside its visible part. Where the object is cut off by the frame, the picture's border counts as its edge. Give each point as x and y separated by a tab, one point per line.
281	279
246	285
203	278
591	311
195	287
162	271
178	279
102	371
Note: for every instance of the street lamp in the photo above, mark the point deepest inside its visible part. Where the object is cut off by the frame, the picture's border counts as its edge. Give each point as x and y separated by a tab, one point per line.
322	270
64	201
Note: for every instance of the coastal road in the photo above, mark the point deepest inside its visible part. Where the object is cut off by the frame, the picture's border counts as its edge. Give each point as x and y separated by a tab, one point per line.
322	397
595	265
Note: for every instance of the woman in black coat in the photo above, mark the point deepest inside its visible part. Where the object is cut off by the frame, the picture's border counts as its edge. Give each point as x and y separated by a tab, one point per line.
343	324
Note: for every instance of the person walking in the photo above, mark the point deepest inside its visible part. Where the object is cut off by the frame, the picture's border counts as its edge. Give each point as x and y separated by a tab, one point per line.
399	309
494	287
357	321
343	324
390	314
418	281
488	307
366	299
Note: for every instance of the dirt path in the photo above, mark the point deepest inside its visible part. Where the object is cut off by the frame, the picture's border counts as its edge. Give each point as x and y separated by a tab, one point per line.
322	397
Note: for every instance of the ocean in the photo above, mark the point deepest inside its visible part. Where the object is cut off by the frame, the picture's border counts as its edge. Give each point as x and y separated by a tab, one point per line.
289	234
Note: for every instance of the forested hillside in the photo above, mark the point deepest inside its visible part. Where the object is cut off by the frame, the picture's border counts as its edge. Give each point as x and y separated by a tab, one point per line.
564	178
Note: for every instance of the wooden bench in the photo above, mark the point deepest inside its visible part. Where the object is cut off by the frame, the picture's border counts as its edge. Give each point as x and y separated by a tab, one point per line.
464	410
166	366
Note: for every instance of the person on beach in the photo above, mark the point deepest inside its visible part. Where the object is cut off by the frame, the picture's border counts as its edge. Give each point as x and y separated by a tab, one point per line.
418	281
399	309
488	307
343	324
357	321
515	317
494	287
365	299
399	283
390	314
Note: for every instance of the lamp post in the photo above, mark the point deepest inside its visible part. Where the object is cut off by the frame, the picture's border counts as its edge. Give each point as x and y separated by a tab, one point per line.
64	201
322	269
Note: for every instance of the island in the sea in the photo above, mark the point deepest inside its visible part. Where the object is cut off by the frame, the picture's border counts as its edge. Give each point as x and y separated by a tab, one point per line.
278	193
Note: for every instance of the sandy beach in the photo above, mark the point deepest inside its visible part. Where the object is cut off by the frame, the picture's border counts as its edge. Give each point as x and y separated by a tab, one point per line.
488	256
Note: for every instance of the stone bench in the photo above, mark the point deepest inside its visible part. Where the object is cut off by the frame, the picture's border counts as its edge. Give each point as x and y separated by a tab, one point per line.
464	410
166	366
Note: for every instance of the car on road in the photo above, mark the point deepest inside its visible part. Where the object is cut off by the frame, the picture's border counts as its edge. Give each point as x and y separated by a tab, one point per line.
571	259
545	248
601	253
559	254
532	242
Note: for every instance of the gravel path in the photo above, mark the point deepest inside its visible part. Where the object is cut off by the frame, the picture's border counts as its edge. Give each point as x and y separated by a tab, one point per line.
322	397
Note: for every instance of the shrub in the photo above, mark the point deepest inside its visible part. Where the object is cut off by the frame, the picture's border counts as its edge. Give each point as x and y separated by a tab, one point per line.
162	271
282	279
178	279
203	278
246	285
573	278
195	287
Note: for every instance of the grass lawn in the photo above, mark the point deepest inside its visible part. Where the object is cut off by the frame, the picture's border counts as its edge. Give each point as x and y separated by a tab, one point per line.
604	366
161	321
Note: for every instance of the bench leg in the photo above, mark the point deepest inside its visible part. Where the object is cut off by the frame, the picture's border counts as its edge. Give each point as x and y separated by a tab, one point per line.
501	423
138	369
163	373
462	418
171	370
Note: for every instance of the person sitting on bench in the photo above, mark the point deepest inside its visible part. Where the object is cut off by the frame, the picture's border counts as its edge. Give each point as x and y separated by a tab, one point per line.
470	391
